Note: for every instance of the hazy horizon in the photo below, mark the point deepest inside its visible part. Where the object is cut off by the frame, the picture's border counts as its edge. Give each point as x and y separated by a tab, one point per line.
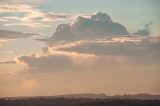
57	47
91	95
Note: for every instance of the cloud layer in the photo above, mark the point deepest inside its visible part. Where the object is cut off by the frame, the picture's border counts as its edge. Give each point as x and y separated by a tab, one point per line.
7	34
137	47
7	62
101	53
45	63
28	15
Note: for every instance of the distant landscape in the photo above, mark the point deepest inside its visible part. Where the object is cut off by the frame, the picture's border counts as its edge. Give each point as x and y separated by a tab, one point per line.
88	99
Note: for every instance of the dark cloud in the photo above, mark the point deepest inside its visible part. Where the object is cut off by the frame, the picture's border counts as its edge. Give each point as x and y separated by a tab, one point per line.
7	34
145	31
98	25
127	51
46	62
45	50
53	61
132	46
62	33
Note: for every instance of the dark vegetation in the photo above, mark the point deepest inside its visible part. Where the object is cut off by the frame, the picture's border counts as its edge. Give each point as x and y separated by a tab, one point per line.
42	101
124	102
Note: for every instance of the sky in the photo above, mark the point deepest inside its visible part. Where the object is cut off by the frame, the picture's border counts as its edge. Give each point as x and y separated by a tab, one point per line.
56	47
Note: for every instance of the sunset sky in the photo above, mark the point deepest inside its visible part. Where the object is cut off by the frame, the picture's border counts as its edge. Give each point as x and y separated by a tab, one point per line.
54	47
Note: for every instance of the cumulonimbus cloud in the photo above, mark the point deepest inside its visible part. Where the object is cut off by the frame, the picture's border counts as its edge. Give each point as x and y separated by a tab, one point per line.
98	25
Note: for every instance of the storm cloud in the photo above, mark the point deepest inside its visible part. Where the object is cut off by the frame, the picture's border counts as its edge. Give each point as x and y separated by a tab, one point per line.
98	25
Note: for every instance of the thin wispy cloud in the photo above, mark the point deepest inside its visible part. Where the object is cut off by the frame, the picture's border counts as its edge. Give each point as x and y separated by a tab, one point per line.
7	62
26	1
33	16
8	34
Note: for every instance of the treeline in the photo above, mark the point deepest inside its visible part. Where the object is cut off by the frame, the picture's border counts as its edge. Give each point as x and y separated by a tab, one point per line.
76	102
124	102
